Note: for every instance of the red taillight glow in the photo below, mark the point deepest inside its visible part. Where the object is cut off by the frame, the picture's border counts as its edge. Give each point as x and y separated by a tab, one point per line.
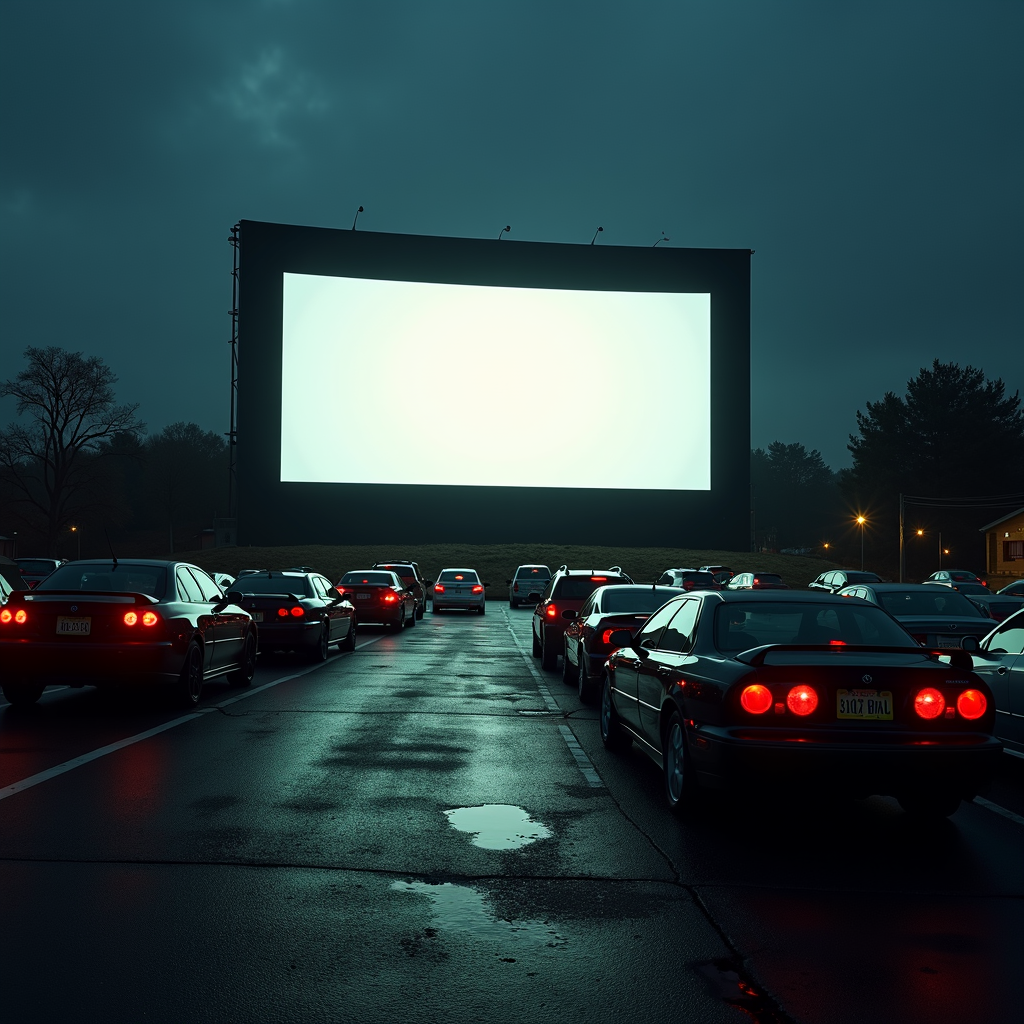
802	700
6	615
478	589
150	618
971	704
298	612
21	616
756	699
460	577
282	613
598	579
929	703
438	589
515	588
837	643
551	611
130	618
606	636
390	598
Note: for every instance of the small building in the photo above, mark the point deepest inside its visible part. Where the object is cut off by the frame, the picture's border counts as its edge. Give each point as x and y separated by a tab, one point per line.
1004	545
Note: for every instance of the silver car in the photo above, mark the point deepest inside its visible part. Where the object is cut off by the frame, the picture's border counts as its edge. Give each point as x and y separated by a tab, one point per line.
528	579
458	588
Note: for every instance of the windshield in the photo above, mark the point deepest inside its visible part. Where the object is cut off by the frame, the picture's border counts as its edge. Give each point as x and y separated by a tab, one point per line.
579	588
944	601
125	577
459	576
740	626
635	599
297	585
373	579
539	573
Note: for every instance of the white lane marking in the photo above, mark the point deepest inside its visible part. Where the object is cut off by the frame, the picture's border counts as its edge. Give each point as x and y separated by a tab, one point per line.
999	810
583	762
1013	753
110	748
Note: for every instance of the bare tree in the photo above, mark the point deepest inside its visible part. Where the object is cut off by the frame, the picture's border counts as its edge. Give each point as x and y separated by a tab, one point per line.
49	464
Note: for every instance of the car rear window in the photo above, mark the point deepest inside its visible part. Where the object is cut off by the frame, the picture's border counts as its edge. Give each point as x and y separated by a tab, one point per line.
376	579
405	571
36	564
123	577
767	577
740	626
579	588
458	576
944	601
973	588
297	585
635	599
862	577
533	574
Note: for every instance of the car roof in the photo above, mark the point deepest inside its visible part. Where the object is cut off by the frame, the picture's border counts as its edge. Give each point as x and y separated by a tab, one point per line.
776	596
928	587
456	568
533	565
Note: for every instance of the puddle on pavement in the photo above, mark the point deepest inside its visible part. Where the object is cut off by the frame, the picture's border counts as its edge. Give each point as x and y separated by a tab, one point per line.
497	826
459	908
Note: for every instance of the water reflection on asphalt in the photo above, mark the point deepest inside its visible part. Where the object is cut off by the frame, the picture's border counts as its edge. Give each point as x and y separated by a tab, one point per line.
497	826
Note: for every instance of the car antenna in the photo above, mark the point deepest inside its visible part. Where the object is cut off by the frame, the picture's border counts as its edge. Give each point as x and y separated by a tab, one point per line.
111	546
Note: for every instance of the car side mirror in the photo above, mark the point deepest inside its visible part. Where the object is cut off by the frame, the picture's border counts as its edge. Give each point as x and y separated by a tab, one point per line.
970	644
569	614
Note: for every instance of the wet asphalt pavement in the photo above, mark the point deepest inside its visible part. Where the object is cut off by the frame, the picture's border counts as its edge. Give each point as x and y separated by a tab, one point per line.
429	829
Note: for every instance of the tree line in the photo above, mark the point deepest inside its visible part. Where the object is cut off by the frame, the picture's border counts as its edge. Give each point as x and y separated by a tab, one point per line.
78	459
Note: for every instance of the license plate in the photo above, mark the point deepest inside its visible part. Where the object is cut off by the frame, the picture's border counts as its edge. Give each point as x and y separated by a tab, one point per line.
362	597
873	705
455	590
67	626
947	641
257	616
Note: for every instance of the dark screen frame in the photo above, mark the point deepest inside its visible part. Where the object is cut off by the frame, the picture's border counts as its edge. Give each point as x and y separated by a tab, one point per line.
273	513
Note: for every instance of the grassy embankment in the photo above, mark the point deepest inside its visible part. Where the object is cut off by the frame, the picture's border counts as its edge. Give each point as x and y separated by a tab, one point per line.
497	562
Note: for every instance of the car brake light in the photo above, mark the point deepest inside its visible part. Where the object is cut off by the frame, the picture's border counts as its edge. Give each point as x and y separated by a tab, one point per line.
282	613
390	598
130	618
478	589
837	643
340	590
606	636
298	612
438	589
756	699
551	611
756	581
460	577
802	700
6	615
21	616
971	704
598	579
515	588
150	618
929	703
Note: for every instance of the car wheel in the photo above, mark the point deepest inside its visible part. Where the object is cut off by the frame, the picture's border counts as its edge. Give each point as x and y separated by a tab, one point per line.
568	669
412	618
613	736
323	643
513	602
584	687
246	663
680	782
536	644
349	643
22	694
929	805
190	682
420	609
548	657
482	610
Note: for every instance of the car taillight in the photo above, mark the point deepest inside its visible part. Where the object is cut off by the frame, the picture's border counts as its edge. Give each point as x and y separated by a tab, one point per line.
20	616
130	618
606	636
756	699
438	589
478	589
150	618
298	612
598	579
971	704
515	588
6	615
282	613
551	611
390	598
929	703
837	643
340	590
802	700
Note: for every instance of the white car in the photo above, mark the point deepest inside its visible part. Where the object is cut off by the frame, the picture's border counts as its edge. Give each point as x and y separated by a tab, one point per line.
459	588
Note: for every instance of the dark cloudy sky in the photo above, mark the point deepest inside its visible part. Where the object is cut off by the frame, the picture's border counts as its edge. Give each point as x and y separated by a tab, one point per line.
870	153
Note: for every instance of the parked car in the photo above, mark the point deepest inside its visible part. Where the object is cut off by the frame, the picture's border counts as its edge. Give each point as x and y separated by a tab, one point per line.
459	588
956	576
834	580
410	574
138	623
797	692
721	573
587	640
756	581
934	616
527	584
379	596
1014	589
5	590
297	611
999	660
559	602
995	606
35	570
687	579
223	580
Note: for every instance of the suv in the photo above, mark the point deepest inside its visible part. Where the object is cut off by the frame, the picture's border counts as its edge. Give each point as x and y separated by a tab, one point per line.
562	598
687	579
526	584
412	578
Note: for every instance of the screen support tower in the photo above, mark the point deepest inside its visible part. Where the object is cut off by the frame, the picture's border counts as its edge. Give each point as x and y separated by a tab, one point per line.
234	241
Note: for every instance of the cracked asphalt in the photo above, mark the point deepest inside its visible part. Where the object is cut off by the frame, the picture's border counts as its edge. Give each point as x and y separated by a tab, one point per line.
284	854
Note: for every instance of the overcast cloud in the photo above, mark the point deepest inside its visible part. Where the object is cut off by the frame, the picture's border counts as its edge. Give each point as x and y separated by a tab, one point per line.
871	154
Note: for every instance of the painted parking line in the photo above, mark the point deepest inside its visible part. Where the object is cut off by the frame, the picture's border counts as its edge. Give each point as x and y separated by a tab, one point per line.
111	748
583	762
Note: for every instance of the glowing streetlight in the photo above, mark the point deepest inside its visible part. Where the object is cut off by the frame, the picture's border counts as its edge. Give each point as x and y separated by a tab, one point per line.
860	522
78	538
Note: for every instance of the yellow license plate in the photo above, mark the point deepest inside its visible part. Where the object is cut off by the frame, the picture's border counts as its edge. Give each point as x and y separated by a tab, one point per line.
68	626
865	705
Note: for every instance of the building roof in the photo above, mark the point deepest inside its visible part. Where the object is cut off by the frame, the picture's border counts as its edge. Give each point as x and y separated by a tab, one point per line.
1003	520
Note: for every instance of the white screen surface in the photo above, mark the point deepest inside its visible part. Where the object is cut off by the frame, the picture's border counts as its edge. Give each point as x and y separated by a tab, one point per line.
397	382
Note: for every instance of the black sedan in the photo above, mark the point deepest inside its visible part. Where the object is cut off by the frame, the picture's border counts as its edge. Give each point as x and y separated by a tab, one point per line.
588	637
934	616
999	660
296	610
794	693
379	595
129	624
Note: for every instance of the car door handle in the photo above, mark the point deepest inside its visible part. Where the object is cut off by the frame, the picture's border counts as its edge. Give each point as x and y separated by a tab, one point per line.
664	670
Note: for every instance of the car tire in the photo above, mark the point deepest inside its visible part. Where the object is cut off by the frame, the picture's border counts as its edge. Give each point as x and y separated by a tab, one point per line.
536	643
568	673
482	610
190	682
927	805
242	676
680	780
420	609
322	649
584	685
412	618
613	736
349	643
513	602
548	657
21	694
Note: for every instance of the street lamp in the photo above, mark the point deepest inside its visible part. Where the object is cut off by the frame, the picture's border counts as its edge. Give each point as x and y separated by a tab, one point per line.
78	538
860	522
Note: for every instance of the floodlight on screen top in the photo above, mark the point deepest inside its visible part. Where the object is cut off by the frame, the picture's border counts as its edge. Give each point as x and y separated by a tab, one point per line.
494	386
